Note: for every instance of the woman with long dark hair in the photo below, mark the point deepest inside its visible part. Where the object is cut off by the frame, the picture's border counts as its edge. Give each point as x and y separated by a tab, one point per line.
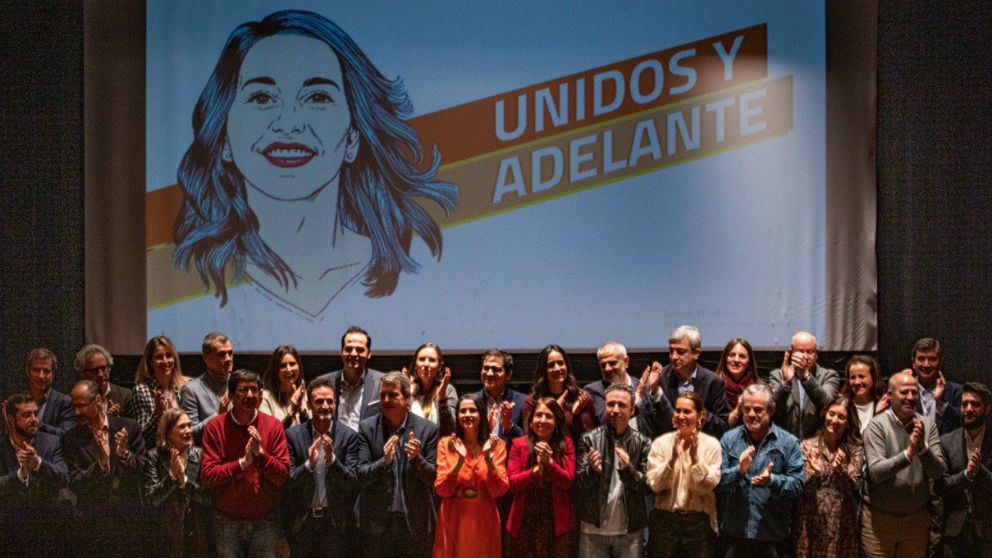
285	392
738	369
553	377
542	521
828	510
470	476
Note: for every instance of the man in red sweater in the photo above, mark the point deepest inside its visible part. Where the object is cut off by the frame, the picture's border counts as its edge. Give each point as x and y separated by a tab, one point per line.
245	461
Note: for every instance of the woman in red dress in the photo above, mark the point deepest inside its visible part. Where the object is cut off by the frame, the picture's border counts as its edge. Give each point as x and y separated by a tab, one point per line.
542	521
470	476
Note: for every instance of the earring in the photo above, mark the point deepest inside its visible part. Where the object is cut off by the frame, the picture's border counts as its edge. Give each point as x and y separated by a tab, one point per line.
225	152
351	150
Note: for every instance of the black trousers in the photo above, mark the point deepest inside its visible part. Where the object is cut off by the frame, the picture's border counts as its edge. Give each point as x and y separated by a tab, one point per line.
396	541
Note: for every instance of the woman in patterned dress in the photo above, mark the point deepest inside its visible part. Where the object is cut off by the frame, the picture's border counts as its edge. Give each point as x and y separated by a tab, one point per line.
156	385
828	510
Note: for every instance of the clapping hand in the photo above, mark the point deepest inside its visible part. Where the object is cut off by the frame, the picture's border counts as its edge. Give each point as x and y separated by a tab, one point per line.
764	478
916	440
744	462
253	448
225	401
445	380
120	445
595	461
814	460
506	411
389	449
839	460
623	459
412	447
459	446
543	451
113	409
28	459
177	469
490	446
974	464
941	388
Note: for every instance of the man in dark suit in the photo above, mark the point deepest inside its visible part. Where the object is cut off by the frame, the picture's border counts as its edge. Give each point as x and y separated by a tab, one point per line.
93	362
320	499
966	485
397	466
940	399
613	363
503	405
664	385
355	385
802	388
103	454
33	480
54	411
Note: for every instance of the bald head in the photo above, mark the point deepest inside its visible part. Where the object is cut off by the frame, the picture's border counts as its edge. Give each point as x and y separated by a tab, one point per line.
904	394
804	343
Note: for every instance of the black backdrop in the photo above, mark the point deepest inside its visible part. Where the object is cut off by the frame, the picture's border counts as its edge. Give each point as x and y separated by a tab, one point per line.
933	146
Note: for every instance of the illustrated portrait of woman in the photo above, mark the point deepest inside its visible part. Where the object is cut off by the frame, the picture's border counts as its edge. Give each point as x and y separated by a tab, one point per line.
303	173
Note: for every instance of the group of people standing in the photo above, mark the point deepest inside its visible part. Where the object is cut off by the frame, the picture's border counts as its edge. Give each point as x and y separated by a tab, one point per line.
682	461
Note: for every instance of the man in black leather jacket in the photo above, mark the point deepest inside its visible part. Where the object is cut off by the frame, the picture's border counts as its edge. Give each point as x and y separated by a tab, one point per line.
610	473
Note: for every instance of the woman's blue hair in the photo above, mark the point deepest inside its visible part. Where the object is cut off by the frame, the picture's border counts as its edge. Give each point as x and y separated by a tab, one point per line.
377	190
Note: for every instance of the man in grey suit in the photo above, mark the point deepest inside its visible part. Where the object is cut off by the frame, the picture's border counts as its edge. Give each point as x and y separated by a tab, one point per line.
93	363
206	396
966	485
356	385
801	387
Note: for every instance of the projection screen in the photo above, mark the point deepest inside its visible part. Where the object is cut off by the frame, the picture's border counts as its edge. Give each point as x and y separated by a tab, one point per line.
510	176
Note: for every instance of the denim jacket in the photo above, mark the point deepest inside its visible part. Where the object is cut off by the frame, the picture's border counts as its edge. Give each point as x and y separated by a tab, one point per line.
763	513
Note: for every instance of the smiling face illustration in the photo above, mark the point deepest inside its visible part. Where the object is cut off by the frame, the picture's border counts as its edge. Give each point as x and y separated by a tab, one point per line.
289	128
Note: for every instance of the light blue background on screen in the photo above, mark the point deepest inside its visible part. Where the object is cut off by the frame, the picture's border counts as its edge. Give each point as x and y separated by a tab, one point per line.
733	243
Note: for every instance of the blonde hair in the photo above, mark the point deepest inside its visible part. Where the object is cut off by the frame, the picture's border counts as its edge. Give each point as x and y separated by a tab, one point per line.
144	372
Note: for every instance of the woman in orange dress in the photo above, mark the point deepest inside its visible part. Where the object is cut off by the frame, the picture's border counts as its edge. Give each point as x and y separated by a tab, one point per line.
471	474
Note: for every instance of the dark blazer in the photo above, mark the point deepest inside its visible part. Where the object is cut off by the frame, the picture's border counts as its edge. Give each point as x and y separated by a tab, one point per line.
377	482
707	384
515	397
340	478
122	483
59	417
821	386
370	390
950	418
963	498
124	398
34	518
44	485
